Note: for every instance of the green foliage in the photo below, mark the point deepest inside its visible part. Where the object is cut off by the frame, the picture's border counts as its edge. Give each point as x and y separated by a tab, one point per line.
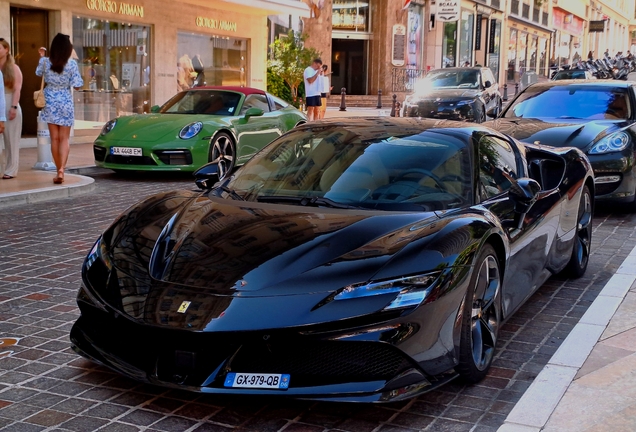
290	58
277	86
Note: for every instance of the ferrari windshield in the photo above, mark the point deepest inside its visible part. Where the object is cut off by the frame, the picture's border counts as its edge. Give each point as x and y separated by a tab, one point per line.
335	167
212	102
572	101
452	78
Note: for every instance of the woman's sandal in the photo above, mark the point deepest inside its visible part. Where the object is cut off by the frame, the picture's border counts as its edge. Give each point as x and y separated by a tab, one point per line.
59	178
6	177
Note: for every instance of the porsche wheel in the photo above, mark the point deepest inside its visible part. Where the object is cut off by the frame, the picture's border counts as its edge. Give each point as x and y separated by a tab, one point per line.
583	238
481	317
223	153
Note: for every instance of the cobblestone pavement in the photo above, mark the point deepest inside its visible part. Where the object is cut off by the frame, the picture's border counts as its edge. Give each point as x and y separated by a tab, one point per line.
45	386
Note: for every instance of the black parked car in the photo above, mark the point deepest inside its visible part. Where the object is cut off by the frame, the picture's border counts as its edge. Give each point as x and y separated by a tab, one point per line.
598	117
370	260
455	94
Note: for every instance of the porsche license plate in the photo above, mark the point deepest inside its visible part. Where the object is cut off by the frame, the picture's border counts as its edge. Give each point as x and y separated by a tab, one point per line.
254	380
126	151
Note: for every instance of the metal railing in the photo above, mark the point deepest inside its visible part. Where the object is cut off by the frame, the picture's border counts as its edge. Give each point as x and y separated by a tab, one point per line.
403	80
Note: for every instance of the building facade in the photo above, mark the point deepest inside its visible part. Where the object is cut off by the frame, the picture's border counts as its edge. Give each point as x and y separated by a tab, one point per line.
134	54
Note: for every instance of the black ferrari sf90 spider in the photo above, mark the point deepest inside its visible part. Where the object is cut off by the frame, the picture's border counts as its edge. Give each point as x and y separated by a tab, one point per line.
367	260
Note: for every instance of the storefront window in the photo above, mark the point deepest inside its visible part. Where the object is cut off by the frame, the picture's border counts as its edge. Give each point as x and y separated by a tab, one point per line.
512	55
350	15
533	54
114	62
543	43
522	53
210	60
449	44
414	59
466	39
494	47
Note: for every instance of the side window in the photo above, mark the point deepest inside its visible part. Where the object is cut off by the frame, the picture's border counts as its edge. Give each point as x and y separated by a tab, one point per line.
278	103
255	101
487	76
497	166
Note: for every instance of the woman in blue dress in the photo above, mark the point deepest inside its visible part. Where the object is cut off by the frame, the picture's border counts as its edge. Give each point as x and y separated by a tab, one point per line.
60	74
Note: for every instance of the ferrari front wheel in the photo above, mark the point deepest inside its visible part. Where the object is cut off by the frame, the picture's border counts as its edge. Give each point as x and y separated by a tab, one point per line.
223	153
481	317
583	237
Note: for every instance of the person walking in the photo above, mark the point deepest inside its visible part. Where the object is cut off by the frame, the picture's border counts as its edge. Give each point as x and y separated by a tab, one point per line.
313	87
12	80
3	117
60	73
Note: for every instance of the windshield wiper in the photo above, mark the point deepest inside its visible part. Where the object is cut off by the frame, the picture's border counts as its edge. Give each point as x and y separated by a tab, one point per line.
230	192
304	201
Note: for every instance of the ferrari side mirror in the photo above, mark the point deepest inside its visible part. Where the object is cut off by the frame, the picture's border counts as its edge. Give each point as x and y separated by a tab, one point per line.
206	176
523	194
493	112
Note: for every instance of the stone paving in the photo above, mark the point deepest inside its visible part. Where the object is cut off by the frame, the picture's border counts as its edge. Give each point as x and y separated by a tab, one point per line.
45	386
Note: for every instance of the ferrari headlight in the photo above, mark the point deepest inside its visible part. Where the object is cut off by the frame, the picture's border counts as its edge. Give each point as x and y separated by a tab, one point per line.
98	252
410	291
611	143
108	126
190	130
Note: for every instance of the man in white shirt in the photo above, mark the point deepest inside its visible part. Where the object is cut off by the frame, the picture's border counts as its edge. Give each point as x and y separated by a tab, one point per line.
313	86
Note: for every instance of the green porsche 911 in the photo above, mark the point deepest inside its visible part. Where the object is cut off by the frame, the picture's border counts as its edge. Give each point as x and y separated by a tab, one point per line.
226	125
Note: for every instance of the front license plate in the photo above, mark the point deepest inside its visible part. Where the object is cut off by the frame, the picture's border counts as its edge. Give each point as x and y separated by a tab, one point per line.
252	380
126	151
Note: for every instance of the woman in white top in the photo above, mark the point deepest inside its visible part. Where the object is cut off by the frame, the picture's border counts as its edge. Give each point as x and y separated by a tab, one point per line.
12	81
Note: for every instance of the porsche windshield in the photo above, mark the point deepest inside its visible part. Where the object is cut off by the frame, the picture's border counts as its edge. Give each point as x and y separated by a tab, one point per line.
452	78
334	167
212	102
573	101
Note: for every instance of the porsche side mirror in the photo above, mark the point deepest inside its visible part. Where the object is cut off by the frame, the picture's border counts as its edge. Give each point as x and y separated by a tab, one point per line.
155	108
487	84
523	194
253	112
206	176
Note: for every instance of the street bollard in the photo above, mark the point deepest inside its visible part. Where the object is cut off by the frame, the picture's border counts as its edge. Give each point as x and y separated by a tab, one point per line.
379	99
516	88
505	95
343	94
393	105
398	109
45	158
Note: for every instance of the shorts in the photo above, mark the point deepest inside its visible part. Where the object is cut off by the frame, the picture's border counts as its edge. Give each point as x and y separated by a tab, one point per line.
312	101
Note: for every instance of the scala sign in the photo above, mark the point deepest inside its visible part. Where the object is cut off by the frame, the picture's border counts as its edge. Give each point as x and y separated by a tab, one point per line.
448	10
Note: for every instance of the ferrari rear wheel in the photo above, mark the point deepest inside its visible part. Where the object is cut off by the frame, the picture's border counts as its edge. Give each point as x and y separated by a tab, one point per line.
223	153
481	317
583	237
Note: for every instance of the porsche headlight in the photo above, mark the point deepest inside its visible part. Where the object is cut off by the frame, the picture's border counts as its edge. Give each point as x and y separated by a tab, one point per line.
108	126
611	143
190	130
410	291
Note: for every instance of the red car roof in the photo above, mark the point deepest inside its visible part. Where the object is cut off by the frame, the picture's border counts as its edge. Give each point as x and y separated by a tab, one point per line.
244	90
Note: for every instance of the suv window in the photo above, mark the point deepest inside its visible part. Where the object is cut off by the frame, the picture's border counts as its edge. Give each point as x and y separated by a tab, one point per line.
255	101
497	166
488	76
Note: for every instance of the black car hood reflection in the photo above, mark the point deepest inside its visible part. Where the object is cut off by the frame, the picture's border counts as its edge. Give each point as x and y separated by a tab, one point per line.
446	94
578	133
252	249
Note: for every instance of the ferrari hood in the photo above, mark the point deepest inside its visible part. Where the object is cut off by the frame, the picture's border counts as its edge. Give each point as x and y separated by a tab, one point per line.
256	249
153	127
558	132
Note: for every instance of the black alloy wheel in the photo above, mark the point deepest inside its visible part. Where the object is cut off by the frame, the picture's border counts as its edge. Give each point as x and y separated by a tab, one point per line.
223	153
583	238
481	317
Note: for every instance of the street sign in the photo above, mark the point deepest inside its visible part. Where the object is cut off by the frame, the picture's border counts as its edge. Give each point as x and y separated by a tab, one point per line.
448	10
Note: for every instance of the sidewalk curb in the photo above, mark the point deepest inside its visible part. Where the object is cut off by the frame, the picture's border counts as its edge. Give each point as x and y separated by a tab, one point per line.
85	185
536	406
